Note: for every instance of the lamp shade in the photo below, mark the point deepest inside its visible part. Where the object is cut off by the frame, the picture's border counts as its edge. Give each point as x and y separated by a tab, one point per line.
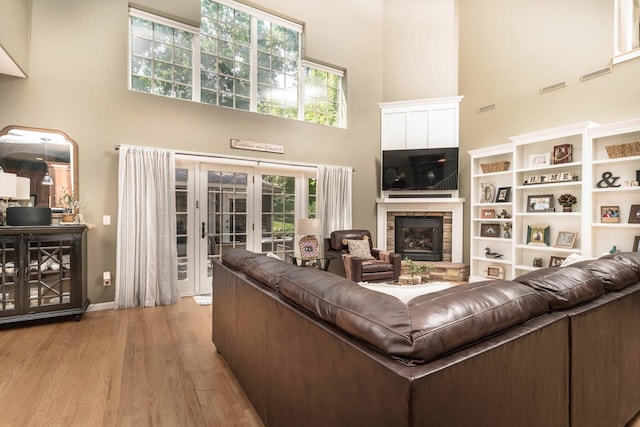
309	227
23	188
8	184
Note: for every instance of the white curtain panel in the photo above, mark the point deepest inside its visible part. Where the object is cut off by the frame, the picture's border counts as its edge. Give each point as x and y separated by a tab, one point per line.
146	243
334	198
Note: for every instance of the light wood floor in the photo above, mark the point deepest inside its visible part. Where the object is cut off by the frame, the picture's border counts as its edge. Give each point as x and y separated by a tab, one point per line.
137	367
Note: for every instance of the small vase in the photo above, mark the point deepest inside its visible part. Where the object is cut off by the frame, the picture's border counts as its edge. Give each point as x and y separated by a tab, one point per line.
507	235
566	208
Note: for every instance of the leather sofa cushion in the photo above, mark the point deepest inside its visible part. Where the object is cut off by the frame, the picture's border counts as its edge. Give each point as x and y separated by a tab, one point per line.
422	330
564	287
237	257
615	274
631	259
267	270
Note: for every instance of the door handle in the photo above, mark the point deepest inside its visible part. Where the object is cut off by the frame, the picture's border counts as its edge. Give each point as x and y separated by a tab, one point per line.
204	232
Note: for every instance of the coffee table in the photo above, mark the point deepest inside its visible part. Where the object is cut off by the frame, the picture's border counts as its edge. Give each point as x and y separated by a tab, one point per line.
321	263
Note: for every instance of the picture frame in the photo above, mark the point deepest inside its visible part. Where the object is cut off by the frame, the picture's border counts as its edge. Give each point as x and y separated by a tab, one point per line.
539	160
556	261
539	202
503	195
566	239
488	213
609	213
538	235
636	244
489	230
634	214
562	153
494	272
487	193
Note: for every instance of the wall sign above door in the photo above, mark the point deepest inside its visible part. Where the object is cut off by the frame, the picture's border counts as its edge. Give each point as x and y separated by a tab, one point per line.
256	146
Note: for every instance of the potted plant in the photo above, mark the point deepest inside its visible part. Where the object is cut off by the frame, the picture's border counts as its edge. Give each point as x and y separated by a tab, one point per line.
507	230
567	201
70	203
415	272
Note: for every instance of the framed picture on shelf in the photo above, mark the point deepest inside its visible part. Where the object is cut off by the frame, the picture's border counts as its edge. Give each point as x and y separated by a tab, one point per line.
503	194
494	272
489	230
488	213
539	160
634	214
636	244
556	261
566	239
538	235
562	154
487	193
609	213
539	203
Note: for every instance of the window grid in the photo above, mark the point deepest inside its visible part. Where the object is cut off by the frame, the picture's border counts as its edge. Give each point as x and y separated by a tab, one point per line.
245	62
225	45
161	59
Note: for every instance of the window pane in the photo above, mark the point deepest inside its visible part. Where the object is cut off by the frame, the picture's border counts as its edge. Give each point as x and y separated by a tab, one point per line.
166	62
322	97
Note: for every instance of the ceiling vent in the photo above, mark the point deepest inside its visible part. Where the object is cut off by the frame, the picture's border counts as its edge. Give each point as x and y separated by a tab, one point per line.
553	87
487	107
594	74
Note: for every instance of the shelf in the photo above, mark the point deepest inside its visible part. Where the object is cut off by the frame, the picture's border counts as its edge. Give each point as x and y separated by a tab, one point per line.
616	190
550	167
489	174
630	159
560	213
548	248
496	261
614	225
492	239
480	219
550	185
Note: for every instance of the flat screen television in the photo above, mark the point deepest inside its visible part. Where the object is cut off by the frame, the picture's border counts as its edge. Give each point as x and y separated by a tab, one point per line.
420	169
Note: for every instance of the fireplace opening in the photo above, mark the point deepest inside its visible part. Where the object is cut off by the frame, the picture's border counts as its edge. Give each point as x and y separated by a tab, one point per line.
419	237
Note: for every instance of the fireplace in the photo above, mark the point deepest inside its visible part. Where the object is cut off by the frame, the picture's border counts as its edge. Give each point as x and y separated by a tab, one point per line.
419	237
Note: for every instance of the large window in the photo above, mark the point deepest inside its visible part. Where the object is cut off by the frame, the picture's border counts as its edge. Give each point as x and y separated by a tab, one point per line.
247	59
627	30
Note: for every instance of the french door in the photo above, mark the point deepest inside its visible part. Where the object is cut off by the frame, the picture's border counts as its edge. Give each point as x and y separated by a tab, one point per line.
221	206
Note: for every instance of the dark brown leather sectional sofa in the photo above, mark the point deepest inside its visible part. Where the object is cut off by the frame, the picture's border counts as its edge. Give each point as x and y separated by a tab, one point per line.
556	347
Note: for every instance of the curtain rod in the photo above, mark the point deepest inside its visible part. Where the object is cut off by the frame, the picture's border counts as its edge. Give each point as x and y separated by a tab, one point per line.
219	156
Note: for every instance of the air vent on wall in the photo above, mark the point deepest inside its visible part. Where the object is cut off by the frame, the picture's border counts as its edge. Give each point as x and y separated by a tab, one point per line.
594	74
487	107
552	87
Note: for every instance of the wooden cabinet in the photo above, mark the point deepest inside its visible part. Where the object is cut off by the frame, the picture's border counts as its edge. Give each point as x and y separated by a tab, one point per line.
43	272
423	123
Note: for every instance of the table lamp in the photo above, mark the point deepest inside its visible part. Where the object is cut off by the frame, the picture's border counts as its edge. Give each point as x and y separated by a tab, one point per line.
309	229
8	190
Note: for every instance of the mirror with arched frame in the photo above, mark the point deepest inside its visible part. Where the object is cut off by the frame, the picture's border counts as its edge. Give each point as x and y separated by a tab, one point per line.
48	157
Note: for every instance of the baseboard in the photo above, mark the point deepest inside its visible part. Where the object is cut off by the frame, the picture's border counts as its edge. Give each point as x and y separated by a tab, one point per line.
102	306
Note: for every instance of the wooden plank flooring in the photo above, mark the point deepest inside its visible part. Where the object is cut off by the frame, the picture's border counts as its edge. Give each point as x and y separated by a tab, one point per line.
137	367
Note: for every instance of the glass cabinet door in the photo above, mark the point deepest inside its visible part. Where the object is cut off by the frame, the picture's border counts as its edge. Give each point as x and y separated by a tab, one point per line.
9	266
49	266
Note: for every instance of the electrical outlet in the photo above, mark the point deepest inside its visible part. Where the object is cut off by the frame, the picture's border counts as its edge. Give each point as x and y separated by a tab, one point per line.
106	278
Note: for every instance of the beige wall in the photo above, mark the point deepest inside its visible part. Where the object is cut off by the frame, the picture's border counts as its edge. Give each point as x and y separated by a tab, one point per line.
510	49
78	84
420	49
14	31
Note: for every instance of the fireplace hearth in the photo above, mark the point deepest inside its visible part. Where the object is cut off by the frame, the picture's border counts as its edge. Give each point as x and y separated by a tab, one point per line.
419	237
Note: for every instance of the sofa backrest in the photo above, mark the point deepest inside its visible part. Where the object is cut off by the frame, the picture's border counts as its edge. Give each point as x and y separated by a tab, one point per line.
422	330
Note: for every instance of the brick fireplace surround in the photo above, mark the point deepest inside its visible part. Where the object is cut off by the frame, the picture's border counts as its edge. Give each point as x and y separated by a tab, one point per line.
449	208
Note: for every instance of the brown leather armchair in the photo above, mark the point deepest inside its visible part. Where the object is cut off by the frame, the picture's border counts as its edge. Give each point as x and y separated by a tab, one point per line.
386	266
